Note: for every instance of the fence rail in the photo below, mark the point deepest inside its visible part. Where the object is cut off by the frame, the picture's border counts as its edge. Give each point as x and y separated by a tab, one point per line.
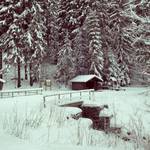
20	92
80	92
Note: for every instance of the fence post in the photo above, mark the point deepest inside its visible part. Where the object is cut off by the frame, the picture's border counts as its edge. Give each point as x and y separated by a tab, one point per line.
12	94
80	95
89	95
44	101
25	93
70	96
93	95
59	96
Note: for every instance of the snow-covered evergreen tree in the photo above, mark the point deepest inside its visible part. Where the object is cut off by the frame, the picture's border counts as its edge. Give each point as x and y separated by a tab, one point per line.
34	41
72	14
80	46
114	70
25	36
11	39
116	44
141	32
66	67
52	29
138	12
6	18
1	64
121	42
95	44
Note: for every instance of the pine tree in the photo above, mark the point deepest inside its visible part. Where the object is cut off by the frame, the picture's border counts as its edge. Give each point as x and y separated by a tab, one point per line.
1	64
34	41
101	8
66	65
72	14
15	22
141	34
6	18
80	46
139	12
116	44
95	44
50	8
121	43
114	68
13	45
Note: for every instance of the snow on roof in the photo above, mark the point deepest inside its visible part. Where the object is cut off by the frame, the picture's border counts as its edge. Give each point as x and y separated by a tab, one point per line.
2	81
84	78
91	105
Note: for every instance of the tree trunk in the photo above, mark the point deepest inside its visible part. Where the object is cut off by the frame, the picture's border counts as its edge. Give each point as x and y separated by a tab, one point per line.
1	62
106	65
31	74
26	71
19	72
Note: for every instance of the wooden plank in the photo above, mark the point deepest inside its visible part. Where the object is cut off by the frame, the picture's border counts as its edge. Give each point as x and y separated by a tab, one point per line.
73	104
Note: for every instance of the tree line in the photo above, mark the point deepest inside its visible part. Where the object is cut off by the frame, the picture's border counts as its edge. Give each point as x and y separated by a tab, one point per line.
102	37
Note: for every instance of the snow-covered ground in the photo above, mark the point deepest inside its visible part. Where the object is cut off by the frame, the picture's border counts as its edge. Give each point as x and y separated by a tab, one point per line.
26	124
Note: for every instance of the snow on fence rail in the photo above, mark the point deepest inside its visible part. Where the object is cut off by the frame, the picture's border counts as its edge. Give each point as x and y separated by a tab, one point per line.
70	94
20	92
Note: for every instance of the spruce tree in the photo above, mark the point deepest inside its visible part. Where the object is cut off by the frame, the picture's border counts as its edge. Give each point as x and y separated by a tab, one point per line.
101	9
141	34
139	12
95	44
66	66
6	18
71	16
34	41
122	43
15	22
80	46
1	64
13	45
50	8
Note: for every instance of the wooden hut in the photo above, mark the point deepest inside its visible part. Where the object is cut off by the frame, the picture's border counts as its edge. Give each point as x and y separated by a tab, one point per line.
82	82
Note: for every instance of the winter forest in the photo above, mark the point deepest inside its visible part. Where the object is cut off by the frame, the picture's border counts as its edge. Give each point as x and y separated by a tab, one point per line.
75	74
109	38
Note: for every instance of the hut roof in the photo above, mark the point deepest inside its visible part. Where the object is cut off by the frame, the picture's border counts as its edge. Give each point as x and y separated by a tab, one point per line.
85	78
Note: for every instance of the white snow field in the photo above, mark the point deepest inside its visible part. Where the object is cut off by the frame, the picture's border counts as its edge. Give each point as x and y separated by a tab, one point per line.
26	124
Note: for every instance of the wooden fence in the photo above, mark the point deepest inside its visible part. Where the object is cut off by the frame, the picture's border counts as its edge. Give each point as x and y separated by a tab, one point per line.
20	92
70	94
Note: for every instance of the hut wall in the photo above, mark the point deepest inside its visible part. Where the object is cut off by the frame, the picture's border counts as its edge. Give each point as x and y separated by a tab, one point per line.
93	84
104	122
78	86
